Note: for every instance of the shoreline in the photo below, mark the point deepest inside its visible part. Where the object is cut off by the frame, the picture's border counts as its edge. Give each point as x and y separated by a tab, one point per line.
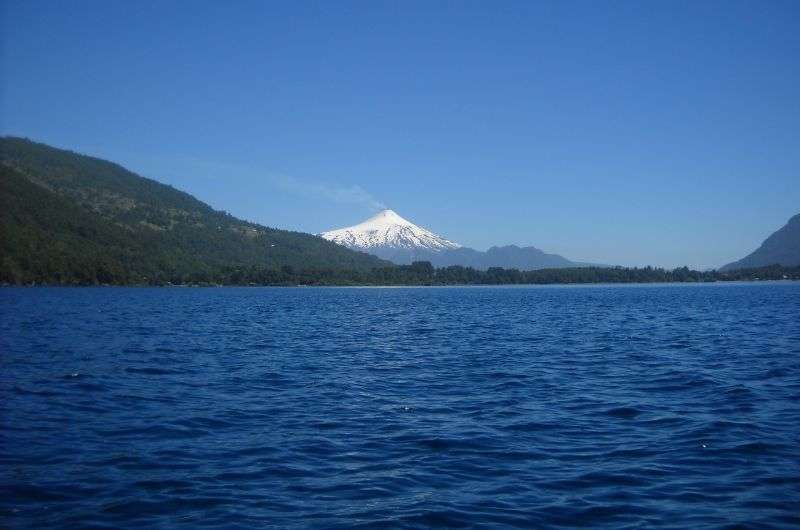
399	286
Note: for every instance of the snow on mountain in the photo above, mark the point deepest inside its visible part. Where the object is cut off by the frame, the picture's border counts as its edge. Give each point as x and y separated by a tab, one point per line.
390	237
387	230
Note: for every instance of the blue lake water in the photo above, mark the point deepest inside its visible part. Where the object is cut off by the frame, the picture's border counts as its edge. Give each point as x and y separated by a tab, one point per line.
673	406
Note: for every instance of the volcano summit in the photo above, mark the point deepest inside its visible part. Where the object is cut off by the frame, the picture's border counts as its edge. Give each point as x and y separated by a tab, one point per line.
391	237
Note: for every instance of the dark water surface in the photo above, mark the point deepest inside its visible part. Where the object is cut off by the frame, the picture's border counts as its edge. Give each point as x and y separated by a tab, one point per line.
540	407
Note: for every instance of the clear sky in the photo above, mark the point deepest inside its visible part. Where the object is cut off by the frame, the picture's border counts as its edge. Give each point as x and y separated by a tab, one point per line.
634	133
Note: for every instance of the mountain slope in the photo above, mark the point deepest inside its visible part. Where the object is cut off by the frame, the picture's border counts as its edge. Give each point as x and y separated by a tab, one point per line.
387	229
400	241
390	237
781	248
69	218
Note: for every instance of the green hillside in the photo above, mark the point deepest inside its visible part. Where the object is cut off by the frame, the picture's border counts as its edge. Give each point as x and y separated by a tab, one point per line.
73	219
70	219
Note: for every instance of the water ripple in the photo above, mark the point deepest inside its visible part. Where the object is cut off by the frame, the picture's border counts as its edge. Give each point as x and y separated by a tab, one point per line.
548	407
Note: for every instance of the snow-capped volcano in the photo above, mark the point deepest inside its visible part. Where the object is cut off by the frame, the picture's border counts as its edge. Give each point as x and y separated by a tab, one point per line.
389	236
387	231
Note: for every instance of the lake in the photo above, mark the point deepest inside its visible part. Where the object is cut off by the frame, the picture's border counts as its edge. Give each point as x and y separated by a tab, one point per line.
667	406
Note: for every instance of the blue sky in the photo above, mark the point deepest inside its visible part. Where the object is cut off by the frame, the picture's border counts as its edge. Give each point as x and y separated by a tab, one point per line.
664	133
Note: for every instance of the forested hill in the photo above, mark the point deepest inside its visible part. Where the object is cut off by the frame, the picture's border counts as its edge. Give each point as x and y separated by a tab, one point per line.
781	248
69	218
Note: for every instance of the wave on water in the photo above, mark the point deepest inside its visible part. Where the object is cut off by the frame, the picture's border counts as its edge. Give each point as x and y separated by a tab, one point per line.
601	407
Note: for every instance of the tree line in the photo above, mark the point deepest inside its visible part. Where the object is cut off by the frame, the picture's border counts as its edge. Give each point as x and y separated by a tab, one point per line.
418	273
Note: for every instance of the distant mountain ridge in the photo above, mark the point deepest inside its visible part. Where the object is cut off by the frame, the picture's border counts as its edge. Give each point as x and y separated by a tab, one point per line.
780	248
509	257
71	218
391	237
